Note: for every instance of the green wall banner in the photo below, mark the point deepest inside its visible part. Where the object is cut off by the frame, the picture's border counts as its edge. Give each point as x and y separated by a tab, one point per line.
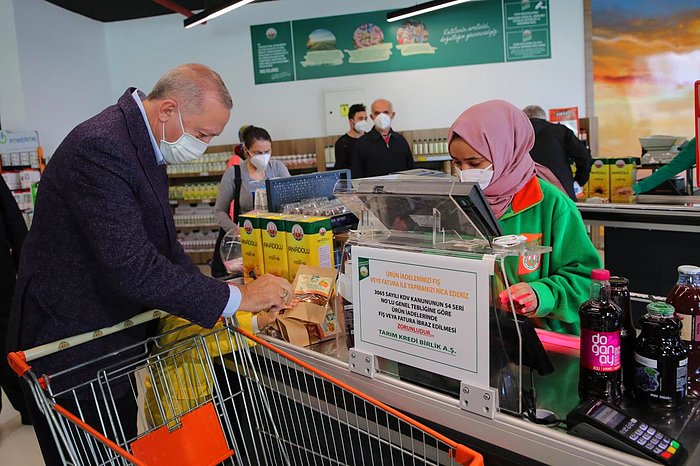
490	31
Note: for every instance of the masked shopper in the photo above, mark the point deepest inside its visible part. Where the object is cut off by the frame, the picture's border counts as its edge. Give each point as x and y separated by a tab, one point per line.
240	183
490	144
103	246
382	150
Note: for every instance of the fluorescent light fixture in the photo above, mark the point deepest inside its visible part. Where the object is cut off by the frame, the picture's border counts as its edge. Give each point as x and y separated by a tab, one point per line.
421	8
214	12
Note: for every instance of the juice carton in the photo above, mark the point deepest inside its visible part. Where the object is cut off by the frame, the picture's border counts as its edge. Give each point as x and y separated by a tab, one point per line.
251	246
309	242
599	181
623	174
274	244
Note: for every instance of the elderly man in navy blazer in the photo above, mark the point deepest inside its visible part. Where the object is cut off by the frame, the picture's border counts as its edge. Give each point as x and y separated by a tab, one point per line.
103	245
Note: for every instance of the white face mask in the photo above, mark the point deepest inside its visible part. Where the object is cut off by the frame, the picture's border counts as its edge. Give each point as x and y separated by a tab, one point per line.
260	161
363	126
382	121
187	148
483	176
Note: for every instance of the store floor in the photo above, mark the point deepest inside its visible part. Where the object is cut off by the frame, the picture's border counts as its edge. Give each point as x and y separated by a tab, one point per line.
18	445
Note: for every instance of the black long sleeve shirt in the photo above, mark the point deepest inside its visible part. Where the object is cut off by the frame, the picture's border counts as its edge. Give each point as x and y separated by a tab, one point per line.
374	156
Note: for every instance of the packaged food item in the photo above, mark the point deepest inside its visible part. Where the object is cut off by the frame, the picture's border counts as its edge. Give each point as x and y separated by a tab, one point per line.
251	246
599	180
310	317
600	374
309	242
661	359
274	242
685	298
623	174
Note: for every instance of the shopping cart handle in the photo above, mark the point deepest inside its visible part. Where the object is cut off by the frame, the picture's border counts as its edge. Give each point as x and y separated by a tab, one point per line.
466	456
18	363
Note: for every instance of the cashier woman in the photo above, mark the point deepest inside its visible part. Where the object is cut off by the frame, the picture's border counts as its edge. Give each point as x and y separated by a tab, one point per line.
490	143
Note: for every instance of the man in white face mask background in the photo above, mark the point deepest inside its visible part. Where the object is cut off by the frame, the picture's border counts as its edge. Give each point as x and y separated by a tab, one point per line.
382	150
103	245
345	145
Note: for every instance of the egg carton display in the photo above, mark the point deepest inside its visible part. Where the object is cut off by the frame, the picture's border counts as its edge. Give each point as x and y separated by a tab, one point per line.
198	241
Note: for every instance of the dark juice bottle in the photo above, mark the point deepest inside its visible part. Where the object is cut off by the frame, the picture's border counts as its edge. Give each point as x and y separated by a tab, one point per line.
685	298
661	359
600	373
620	295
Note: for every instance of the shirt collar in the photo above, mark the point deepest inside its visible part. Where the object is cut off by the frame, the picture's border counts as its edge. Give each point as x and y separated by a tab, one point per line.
138	96
529	196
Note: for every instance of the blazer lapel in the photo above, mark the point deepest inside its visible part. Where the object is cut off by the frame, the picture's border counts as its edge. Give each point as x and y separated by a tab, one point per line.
155	173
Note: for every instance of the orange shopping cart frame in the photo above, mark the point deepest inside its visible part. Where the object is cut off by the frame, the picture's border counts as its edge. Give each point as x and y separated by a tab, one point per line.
223	397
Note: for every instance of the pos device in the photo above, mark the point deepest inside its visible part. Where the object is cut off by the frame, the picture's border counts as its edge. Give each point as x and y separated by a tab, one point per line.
604	423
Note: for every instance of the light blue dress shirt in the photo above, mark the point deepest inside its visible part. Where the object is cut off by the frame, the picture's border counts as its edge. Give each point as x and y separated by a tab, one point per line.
234	297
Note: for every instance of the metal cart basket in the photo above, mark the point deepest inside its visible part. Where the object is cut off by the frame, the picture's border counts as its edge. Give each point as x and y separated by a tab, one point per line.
223	396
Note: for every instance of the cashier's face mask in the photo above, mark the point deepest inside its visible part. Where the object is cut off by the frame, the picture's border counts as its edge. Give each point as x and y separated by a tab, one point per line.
260	161
187	148
483	176
382	121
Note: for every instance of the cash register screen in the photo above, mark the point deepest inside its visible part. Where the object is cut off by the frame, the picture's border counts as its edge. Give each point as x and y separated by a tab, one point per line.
607	415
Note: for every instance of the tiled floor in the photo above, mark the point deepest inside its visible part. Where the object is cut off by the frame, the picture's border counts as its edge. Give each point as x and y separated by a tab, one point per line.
18	445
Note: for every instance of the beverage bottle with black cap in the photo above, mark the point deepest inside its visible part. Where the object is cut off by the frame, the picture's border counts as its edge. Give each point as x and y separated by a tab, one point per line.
600	373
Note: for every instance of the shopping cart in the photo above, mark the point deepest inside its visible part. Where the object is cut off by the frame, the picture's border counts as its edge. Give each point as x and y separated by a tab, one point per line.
222	397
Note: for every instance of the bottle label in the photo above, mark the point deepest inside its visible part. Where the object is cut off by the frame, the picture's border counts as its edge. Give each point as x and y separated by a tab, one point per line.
600	351
691	327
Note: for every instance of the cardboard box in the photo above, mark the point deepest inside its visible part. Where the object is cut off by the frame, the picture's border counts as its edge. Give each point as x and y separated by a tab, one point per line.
309	242
307	322
623	174
274	242
599	181
251	246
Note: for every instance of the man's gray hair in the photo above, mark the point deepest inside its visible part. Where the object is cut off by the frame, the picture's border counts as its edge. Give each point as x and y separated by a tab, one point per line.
535	111
189	84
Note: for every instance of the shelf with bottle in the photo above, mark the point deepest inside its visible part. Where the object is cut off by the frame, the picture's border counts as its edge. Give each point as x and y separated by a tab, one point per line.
192	193
210	164
298	161
430	150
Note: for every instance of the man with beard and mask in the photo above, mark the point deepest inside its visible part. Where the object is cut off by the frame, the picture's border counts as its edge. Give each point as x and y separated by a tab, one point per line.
103	245
345	145
382	150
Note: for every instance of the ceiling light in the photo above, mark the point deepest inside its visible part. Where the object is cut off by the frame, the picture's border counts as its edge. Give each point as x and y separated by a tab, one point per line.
421	8
214	12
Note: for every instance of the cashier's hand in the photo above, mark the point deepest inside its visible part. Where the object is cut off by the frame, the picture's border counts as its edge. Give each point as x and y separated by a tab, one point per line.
524	298
266	292
627	191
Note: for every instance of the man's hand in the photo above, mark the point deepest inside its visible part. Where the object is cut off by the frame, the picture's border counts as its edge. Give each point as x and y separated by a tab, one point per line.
627	191
524	297
267	292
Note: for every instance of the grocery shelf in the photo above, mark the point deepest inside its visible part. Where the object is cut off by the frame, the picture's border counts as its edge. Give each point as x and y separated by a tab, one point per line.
205	226
305	166
195	174
200	256
432	158
192	201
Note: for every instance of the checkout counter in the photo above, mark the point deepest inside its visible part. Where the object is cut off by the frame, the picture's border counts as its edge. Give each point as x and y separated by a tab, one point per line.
431	340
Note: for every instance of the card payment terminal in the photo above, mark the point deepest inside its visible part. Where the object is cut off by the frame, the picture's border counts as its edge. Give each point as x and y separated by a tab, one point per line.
603	423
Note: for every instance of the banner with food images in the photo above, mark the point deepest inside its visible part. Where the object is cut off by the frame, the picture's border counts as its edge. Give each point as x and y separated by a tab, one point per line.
468	34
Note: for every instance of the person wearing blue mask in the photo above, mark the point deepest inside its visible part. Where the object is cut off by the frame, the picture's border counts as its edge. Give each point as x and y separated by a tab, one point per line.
103	245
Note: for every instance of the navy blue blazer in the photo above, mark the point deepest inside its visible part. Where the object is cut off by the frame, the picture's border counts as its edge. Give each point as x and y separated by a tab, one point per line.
103	245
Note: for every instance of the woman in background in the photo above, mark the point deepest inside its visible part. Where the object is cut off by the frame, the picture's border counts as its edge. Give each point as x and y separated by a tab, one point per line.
490	143
239	184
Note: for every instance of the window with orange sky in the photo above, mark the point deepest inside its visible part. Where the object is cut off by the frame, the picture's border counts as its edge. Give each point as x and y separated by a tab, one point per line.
646	57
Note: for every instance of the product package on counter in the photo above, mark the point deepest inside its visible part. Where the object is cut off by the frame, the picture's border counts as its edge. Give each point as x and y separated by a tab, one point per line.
251	245
599	180
623	174
309	242
310	318
274	242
